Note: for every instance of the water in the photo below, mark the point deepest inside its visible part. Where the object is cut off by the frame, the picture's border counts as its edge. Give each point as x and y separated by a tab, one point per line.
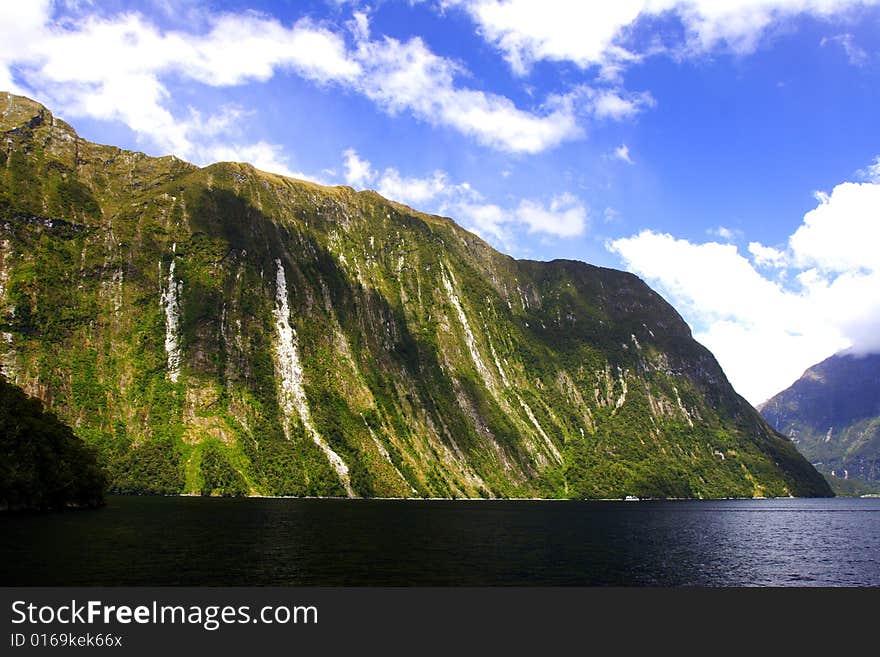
210	541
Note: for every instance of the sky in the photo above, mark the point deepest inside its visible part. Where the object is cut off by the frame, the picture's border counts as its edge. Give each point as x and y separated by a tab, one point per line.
726	152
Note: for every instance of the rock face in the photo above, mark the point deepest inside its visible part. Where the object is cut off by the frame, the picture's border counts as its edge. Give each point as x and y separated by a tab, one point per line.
832	414
309	340
43	465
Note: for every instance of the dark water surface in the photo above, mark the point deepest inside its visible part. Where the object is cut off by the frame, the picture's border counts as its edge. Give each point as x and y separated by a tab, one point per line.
210	541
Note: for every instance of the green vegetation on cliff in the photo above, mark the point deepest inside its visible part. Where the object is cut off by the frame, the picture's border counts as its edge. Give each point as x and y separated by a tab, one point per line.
43	465
227	331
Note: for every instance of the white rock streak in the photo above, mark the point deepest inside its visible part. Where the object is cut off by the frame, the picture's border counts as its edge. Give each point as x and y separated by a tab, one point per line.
469	338
682	408
497	362
6	255
537	425
484	371
387	456
170	300
623	389
289	369
7	357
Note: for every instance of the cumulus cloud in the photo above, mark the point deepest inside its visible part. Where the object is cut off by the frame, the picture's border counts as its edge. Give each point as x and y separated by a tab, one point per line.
767	256
600	33
358	172
842	233
407	76
429	193
414	190
765	326
488	220
262	155
112	68
604	103
527	31
612	105
117	67
564	216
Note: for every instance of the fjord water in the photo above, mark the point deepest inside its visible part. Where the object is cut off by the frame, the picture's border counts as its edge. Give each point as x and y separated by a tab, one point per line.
215	541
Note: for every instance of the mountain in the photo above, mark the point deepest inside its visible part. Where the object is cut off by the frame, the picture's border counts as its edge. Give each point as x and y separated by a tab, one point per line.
229	331
43	465
832	414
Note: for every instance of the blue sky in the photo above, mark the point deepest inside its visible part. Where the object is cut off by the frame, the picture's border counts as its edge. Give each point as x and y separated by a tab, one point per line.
727	152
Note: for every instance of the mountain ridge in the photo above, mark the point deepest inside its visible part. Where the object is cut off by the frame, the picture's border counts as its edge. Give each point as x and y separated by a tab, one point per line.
301	339
832	412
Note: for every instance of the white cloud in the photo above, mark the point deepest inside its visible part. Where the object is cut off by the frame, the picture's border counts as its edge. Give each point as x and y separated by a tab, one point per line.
564	216
357	171
725	233
262	155
857	56
428	193
408	76
611	103
28	19
526	31
112	68
412	190
237	49
489	221
842	233
117	68
764	330
360	26
767	256
622	153
762	361
763	335
871	173
599	33
711	278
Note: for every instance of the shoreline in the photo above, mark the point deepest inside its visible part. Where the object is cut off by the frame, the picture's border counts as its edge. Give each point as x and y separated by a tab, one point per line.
487	499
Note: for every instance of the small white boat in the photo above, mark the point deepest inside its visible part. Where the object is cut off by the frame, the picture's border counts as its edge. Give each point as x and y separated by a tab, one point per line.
630	498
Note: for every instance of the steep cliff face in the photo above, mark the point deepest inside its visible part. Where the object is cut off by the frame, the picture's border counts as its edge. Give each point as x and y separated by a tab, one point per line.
43	465
832	414
227	330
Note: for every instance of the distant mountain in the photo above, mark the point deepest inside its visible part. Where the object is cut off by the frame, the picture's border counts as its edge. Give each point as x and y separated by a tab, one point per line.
832	414
228	331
